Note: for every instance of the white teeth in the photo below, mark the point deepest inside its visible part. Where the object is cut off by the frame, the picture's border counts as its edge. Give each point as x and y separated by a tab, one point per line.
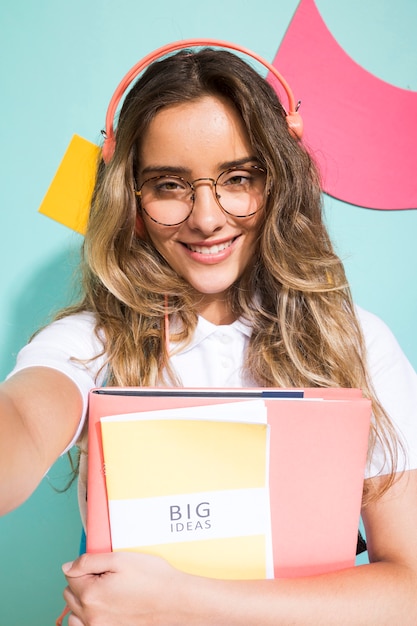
211	249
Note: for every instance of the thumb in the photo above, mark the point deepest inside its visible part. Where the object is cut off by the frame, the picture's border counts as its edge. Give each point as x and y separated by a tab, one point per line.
88	564
67	566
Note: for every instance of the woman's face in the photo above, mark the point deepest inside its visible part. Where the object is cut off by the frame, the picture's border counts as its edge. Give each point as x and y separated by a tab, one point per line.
211	249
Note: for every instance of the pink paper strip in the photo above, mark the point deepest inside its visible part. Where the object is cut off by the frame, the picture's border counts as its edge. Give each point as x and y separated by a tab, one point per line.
361	130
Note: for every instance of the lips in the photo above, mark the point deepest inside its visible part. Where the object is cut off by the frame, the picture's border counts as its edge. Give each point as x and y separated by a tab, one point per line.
215	249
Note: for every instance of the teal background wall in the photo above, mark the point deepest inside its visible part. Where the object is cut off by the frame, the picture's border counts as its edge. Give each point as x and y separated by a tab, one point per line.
60	62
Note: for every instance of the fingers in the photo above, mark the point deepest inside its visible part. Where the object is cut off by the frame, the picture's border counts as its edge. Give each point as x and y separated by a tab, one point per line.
73	620
82	595
121	587
73	604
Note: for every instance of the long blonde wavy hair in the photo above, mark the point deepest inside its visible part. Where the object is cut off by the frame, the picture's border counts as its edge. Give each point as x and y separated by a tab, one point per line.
294	294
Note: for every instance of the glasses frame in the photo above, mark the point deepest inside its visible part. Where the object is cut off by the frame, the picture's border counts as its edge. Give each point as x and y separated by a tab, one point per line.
214	181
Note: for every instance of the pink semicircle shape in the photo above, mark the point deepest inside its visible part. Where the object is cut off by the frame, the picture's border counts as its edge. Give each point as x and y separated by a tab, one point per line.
361	130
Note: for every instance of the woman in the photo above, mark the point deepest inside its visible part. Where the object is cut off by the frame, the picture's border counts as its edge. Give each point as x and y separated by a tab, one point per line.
208	217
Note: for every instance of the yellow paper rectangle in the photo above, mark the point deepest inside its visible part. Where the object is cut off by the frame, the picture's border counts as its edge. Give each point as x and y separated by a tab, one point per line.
232	557
69	195
162	457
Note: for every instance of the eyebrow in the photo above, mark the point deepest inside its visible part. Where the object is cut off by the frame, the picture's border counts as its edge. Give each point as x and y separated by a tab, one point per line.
171	169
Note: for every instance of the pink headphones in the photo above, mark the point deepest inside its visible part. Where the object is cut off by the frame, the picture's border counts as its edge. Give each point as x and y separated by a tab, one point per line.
294	120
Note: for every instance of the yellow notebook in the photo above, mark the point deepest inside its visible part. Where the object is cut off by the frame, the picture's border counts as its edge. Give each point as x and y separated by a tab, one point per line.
192	489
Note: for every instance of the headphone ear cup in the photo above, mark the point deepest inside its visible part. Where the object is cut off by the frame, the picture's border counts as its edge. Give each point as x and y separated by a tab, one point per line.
108	148
295	124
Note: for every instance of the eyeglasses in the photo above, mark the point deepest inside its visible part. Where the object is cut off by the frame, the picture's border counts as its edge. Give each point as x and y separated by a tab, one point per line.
169	200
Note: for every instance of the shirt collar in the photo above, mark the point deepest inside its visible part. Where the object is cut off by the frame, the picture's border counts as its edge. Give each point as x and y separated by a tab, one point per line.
205	328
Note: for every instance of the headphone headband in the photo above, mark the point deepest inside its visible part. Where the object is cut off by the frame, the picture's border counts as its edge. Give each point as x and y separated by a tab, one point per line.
293	117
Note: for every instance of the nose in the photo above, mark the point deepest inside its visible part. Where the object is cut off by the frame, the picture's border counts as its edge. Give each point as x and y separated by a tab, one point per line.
207	216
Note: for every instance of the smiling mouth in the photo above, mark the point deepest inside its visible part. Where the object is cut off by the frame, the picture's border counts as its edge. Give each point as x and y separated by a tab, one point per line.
211	249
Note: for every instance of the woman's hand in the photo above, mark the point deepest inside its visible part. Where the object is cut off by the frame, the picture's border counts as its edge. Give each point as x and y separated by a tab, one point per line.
131	589
126	589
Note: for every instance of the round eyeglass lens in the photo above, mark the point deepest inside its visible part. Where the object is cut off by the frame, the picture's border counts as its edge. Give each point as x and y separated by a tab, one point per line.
240	191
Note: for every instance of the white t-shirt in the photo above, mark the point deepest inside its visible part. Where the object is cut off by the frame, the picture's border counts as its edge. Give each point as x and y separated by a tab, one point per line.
214	359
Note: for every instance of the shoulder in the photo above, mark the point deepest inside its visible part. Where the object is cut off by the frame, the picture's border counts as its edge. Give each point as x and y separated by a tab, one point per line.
69	344
393	379
383	349
84	322
387	364
373	327
78	328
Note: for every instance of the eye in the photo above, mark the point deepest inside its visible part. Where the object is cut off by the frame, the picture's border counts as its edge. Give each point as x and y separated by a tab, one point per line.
236	179
168	185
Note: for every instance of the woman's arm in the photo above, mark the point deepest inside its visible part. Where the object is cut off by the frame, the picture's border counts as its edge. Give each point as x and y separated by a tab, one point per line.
128	588
40	409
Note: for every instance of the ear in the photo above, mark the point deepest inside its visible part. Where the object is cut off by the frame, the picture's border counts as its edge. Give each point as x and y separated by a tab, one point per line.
140	227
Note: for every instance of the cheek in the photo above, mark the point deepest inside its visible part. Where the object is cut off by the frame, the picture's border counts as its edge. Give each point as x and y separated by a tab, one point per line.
255	229
160	236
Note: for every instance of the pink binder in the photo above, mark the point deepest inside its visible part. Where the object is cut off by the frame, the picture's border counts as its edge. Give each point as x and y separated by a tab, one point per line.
318	450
